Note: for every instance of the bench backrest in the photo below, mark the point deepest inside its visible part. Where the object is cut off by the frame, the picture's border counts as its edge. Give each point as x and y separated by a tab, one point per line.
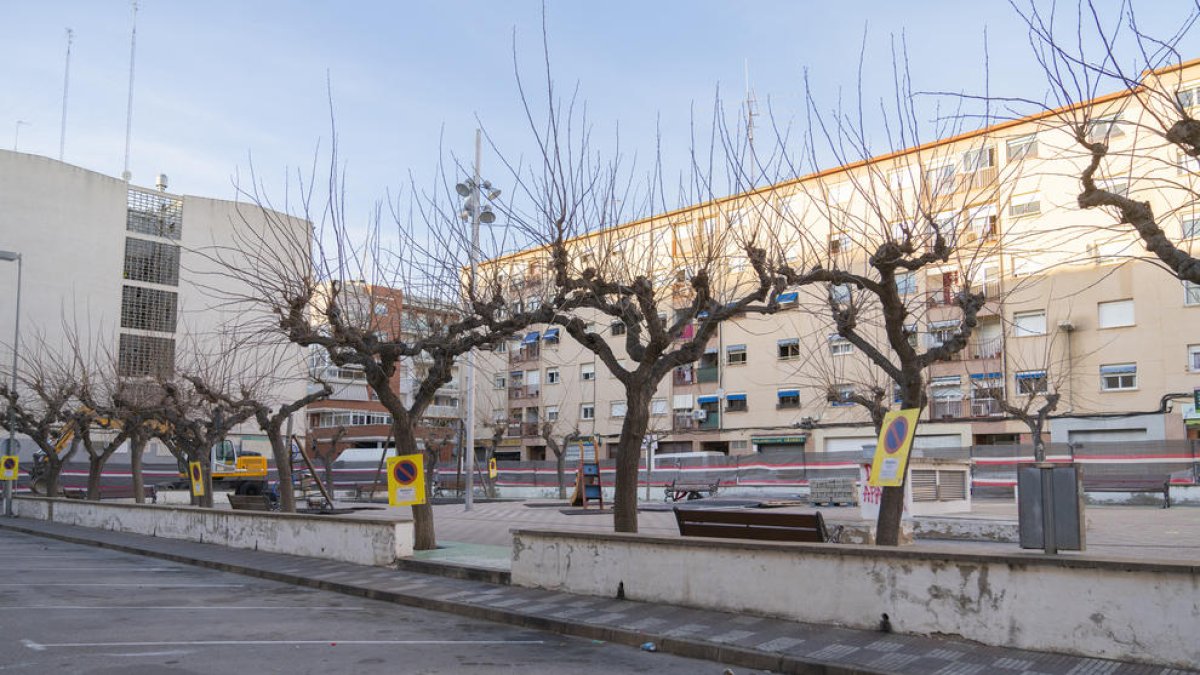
752	524
249	502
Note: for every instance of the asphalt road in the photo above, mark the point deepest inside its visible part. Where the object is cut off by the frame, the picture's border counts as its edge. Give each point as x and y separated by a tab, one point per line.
66	608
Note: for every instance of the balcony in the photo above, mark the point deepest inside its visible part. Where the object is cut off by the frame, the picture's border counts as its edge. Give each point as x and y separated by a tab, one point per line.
527	391
986	349
711	421
706	374
443	411
986	407
526	354
688	332
529	428
976	180
940	409
684	422
683	376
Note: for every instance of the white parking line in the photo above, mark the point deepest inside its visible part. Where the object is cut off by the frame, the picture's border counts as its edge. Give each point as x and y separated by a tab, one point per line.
149	584
105	608
38	647
103	568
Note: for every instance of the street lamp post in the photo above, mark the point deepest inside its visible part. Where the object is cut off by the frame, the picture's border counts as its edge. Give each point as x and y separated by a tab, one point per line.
477	213
10	256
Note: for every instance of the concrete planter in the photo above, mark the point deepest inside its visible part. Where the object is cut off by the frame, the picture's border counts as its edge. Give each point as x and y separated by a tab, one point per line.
364	542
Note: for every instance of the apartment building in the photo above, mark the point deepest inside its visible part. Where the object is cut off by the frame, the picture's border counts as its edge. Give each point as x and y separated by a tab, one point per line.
1072	305
353	419
128	269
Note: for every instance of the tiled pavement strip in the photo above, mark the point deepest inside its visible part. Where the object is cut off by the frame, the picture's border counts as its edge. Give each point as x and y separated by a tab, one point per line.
741	640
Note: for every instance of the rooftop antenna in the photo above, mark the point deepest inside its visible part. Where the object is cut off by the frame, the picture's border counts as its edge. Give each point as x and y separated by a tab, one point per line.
125	175
62	133
17	132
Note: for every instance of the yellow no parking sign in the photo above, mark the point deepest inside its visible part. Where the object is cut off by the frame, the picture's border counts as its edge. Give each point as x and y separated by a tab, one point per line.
406	480
891	452
8	467
196	476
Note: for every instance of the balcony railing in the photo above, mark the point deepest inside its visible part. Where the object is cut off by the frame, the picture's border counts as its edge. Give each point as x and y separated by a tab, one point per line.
527	391
943	408
975	180
525	354
443	411
941	297
683	376
529	428
684	422
985	407
706	374
711	421
986	349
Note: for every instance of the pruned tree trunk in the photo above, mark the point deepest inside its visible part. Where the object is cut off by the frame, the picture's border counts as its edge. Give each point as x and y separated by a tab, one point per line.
629	452
95	469
137	448
560	465
283	470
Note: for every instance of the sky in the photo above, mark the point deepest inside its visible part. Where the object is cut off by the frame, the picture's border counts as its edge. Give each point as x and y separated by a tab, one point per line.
222	85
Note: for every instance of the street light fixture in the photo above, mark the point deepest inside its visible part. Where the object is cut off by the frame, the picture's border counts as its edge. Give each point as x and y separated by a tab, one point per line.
475	212
11	256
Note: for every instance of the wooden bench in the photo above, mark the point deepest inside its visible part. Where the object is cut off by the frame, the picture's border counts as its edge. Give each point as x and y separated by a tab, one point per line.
687	491
250	502
113	492
754	524
1130	483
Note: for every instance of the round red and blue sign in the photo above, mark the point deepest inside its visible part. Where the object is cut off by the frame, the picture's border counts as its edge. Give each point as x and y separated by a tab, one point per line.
10	463
405	472
894	435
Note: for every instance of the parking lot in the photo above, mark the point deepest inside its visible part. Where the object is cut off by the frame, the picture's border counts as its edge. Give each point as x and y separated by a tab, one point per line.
71	608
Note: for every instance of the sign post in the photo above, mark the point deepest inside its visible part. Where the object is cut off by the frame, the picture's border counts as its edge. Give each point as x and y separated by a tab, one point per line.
406	480
891	451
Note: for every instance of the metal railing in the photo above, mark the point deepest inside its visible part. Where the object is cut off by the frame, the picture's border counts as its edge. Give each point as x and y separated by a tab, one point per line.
943	408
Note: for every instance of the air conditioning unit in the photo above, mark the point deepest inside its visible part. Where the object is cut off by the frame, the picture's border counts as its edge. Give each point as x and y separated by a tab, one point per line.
700	415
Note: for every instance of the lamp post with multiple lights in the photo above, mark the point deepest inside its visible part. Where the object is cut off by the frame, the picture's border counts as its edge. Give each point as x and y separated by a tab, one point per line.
10	256
473	190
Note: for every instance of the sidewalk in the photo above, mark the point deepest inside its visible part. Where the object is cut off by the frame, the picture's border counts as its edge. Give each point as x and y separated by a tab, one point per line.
741	640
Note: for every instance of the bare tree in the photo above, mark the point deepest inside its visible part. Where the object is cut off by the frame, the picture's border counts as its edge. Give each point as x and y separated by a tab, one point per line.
1136	152
47	388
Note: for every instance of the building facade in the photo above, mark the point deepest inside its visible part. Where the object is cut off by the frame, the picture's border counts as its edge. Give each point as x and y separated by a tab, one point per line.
1072	306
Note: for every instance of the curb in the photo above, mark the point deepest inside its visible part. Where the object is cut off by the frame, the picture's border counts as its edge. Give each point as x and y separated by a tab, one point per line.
456	571
696	649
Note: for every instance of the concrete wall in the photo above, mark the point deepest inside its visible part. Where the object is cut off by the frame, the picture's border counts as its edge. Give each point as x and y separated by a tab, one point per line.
1104	608
365	542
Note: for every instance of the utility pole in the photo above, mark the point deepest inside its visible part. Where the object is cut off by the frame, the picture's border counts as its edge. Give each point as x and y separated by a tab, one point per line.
469	432
125	175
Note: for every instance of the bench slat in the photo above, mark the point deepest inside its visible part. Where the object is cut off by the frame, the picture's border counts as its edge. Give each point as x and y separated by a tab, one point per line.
760	525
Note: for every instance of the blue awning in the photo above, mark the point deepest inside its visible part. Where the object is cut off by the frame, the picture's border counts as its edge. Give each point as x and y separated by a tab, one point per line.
1120	369
736	348
788	393
789	297
516	373
708	399
531	338
551	334
1035	374
789	341
987	376
735	397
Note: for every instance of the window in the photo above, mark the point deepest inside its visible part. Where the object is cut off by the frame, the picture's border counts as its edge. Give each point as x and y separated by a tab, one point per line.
840	293
551	337
553	376
1117	186
906	283
681	402
1115	314
501	347
1191	227
840	346
587	372
1187	164
618	408
1194	358
617	328
1031	382
1104	128
978	159
499	415
1189	95
500	380
840	395
1118	377
142	356
587	411
1022	147
981	222
1191	293
735	403
151	262
153	213
1026	324
941	332
735	355
658	407
789	349
148	309
1025	205
788	399
940	180
551	413
839	242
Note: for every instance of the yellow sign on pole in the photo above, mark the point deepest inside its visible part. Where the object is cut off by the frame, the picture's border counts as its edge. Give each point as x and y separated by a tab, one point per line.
196	476
492	470
406	480
8	467
891	452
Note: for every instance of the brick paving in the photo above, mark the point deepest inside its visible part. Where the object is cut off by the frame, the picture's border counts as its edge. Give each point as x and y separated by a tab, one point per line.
747	641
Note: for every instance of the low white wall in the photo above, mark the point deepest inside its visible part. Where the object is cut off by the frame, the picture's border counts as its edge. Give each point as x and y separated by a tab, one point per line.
365	542
1102	608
